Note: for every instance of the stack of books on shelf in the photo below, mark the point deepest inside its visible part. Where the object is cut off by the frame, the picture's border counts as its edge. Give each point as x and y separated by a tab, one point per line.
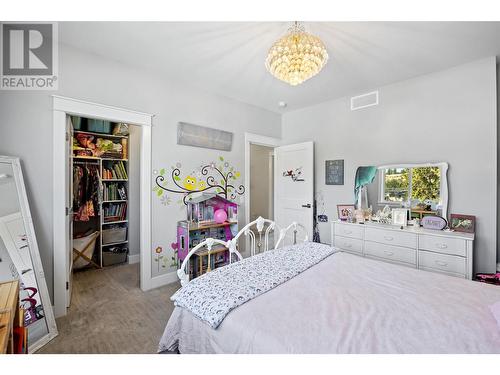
115	171
114	191
115	212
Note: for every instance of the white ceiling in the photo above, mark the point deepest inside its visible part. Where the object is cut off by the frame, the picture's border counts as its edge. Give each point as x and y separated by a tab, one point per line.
228	58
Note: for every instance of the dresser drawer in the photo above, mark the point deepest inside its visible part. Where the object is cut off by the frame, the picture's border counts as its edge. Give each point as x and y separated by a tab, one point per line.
351	245
391	237
449	264
393	253
349	230
444	245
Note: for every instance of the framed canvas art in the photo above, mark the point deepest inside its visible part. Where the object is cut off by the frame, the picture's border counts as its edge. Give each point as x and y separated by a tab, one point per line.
334	172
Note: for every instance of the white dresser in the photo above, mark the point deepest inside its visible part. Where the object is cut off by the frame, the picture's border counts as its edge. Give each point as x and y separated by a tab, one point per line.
425	249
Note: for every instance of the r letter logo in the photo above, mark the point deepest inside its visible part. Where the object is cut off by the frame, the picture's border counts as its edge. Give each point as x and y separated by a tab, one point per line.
29	56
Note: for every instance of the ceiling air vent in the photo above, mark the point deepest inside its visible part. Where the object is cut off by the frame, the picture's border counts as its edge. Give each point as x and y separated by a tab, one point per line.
365	100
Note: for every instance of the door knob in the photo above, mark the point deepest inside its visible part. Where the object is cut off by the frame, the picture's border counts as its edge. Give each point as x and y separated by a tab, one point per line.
306	205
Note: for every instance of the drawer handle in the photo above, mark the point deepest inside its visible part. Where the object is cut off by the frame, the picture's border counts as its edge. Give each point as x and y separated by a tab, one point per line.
347	231
388	253
388	238
441	263
441	246
348	245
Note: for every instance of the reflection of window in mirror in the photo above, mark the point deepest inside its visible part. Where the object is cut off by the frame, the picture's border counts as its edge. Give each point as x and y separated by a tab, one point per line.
396	185
422	184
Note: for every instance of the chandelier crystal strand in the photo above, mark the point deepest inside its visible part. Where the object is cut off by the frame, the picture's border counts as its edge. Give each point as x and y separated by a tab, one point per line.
297	56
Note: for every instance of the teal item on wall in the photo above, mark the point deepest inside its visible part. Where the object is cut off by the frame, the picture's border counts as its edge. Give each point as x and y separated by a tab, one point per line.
364	176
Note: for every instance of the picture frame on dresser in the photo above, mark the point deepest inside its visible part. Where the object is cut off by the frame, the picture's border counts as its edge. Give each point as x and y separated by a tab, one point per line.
463	223
344	210
400	217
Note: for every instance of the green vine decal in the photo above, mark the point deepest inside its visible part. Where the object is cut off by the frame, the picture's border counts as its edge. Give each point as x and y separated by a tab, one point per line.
213	177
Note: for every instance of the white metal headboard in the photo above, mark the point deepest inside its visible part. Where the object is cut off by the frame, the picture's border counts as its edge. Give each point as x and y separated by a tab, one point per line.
255	241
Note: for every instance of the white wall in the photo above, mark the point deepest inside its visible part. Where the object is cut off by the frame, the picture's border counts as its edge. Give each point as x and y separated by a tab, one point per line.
26	131
446	116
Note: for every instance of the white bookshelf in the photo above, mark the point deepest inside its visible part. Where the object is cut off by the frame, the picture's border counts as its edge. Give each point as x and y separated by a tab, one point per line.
106	162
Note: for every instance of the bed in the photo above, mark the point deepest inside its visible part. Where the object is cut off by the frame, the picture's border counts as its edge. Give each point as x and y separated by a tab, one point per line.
348	304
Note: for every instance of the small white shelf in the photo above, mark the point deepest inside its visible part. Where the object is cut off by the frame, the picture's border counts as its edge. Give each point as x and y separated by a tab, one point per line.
116	201
114	179
114	243
114	222
104	135
85	157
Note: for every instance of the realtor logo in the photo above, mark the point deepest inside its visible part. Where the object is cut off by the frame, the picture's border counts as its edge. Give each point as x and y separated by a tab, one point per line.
29	56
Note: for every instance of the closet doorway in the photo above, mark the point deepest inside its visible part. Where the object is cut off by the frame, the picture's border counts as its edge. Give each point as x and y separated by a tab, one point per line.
113	206
104	200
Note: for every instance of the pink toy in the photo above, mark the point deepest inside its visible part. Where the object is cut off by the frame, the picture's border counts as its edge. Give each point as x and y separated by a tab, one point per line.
220	216
491	278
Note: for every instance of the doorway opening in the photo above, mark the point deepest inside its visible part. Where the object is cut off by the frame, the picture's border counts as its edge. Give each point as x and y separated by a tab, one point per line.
259	180
104	207
135	183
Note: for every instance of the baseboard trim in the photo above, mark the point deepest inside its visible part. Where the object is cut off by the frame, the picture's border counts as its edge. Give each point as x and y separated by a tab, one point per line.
165	279
134	258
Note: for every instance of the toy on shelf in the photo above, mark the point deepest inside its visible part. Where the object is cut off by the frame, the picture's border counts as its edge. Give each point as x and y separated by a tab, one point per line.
208	216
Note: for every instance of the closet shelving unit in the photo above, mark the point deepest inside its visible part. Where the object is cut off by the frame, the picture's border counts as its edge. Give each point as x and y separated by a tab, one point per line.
109	163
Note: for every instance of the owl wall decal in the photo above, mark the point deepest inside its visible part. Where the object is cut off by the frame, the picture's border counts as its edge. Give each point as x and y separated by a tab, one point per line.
190	183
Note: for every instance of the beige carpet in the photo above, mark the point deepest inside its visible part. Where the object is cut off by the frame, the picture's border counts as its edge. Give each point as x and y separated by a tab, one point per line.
110	314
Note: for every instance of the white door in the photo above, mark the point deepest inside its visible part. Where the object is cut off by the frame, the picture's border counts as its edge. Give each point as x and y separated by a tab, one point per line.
69	210
294	187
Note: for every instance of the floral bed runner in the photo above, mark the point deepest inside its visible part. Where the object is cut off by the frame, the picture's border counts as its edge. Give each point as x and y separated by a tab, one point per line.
213	295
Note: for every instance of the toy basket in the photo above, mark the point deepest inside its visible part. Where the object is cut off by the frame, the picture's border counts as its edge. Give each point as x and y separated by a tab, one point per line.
83	250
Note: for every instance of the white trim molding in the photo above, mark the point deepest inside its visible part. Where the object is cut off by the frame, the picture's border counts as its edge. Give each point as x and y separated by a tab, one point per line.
63	106
134	258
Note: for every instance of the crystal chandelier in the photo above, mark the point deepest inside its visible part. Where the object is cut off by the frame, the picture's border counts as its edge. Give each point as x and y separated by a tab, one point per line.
297	56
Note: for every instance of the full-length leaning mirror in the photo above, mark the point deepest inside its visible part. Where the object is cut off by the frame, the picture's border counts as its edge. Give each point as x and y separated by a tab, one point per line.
19	255
422	188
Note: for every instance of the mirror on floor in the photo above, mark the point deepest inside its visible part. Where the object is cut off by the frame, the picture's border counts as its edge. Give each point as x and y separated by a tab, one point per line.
19	255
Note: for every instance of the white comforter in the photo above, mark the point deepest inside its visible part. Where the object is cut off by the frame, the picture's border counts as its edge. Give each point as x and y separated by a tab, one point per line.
349	304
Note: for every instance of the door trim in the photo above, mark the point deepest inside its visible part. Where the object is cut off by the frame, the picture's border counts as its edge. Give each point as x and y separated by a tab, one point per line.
63	106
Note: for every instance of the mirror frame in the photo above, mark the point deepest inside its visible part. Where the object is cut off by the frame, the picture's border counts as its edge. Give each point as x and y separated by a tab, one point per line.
444	181
34	252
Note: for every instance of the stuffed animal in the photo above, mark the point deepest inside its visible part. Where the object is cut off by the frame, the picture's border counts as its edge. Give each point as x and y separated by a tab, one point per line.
86	140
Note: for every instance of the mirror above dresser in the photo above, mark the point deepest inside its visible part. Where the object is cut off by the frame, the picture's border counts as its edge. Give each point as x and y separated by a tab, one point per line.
421	188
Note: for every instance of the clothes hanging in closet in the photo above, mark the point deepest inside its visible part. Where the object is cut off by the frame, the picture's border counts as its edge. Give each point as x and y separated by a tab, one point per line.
85	191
